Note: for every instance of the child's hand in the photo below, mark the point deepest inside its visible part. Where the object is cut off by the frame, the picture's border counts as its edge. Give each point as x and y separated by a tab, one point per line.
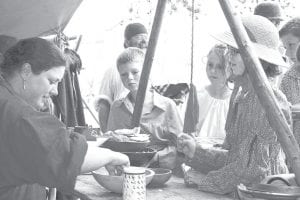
186	177
295	107
192	177
218	145
186	144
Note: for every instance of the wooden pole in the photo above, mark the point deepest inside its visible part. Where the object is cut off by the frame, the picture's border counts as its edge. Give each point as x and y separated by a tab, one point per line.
140	97
78	43
83	101
263	89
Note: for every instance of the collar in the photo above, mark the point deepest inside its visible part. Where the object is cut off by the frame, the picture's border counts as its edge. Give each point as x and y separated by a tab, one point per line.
6	85
154	100
159	100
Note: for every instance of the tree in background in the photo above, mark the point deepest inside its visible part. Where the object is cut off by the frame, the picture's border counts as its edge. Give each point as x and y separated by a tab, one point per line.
142	7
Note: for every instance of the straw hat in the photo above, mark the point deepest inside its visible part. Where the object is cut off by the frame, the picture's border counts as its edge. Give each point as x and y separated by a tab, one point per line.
264	37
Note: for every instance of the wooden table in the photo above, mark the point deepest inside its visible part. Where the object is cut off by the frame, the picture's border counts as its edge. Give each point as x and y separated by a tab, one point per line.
88	189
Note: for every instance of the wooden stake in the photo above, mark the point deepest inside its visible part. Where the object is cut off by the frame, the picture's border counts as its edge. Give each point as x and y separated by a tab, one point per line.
140	97
263	89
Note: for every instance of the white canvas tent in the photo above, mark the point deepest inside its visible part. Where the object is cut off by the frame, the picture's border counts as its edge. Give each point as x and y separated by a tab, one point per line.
30	18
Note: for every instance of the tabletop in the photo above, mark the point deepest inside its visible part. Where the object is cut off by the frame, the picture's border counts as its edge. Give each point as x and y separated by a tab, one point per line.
88	189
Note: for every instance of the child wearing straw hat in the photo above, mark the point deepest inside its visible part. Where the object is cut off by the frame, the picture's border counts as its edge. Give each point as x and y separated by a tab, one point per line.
251	150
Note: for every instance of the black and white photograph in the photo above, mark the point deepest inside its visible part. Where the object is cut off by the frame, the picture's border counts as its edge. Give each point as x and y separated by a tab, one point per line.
149	100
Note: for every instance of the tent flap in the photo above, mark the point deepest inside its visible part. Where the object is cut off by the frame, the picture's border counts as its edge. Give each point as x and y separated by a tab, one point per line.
31	18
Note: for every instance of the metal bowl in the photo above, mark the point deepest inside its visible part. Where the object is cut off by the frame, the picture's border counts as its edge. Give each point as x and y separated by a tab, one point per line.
268	191
115	183
140	158
160	177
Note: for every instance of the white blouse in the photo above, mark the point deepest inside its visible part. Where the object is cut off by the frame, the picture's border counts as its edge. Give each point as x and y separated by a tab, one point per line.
212	115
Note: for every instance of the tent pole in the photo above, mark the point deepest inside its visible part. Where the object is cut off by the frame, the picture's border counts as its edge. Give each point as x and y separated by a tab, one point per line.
263	89
140	97
83	101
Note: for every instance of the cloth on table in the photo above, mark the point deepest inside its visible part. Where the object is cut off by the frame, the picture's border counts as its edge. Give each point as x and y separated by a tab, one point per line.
177	92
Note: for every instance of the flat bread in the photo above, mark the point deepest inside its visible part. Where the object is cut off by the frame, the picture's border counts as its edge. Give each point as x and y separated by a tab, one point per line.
128	132
140	138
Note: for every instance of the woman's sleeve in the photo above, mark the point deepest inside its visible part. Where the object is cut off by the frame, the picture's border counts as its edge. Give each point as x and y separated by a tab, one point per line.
42	151
225	179
284	85
285	106
206	160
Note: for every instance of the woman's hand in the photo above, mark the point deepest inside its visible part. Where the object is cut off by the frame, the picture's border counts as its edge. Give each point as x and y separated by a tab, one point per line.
186	144
119	160
97	157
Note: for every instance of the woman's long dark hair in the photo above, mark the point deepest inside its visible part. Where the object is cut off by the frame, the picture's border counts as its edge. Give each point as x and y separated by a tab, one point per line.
41	54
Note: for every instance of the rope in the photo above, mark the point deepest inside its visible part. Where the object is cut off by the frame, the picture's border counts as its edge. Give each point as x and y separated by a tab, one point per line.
192	41
192	109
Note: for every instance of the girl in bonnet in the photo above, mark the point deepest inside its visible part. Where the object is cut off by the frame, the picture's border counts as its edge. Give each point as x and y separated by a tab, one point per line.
250	150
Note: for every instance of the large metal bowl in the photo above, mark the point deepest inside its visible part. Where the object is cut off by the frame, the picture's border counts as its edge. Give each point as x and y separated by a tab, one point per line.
115	183
268	191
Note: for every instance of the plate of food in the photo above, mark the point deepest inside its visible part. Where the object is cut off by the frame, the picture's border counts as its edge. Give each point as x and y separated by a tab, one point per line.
126	140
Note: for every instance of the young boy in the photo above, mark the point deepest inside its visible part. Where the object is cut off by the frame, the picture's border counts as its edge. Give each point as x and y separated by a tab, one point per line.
160	118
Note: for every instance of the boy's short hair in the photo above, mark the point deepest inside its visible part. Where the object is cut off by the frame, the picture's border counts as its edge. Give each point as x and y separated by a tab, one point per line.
41	54
130	55
291	27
